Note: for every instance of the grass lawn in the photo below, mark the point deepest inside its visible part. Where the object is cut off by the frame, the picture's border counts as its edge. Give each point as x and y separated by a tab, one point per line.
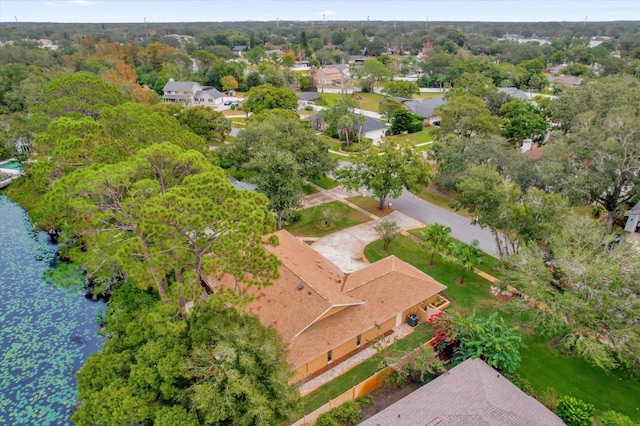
426	135
369	101
547	369
370	205
422	333
434	196
491	264
308	189
307	226
326	182
239	174
542	366
429	95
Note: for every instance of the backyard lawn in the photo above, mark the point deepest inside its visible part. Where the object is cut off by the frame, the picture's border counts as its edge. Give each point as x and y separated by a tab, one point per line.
311	218
429	95
548	371
428	134
368	101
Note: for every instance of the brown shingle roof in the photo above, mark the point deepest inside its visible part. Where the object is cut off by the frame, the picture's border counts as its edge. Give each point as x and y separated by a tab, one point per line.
331	307
388	286
470	394
289	309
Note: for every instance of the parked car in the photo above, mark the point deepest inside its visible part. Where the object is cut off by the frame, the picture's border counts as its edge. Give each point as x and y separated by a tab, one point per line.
227	103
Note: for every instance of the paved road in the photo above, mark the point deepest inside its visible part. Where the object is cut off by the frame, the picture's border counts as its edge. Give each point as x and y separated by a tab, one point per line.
461	227
427	213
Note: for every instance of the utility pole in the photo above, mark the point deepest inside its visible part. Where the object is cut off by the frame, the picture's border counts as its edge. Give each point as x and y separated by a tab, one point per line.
426	25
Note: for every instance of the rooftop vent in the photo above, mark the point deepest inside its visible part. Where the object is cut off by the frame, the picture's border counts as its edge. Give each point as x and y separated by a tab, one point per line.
300	286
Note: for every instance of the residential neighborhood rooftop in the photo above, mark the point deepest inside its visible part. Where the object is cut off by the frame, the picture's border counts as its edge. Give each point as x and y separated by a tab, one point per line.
471	393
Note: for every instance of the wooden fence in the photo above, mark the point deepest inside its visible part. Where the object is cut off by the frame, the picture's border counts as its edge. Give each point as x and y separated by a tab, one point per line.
363	388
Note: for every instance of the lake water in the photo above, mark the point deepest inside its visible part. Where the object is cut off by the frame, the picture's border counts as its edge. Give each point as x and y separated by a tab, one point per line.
46	332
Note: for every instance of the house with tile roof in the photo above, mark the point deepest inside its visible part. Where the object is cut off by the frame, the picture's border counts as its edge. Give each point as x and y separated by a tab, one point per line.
190	93
324	314
471	393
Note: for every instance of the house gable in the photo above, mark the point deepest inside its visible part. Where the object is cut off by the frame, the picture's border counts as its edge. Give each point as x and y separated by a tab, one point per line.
316	307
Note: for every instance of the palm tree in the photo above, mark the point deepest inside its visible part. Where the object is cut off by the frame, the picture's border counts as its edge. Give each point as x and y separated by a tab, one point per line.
466	255
436	237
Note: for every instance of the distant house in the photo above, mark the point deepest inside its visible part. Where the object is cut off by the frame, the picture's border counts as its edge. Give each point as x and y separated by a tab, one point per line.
300	66
331	75
514	92
358	60
239	50
565	80
471	393
424	108
45	43
324	314
372	129
307	98
182	38
190	93
633	219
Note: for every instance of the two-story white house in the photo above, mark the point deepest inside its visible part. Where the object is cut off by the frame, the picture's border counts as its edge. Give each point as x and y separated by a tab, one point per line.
190	93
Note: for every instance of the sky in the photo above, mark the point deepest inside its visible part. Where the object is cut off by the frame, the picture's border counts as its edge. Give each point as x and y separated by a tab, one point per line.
107	11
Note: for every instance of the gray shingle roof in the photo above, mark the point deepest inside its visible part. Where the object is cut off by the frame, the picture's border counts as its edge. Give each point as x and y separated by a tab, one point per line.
179	86
514	92
425	107
470	394
215	93
369	125
372	124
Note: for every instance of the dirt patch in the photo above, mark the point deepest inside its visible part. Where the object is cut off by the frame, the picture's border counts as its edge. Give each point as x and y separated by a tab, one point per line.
386	396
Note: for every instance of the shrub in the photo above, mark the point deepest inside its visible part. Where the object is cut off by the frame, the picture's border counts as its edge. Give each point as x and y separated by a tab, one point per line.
415	126
522	384
347	414
613	418
291	216
325	419
420	366
574	411
363	145
365	401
